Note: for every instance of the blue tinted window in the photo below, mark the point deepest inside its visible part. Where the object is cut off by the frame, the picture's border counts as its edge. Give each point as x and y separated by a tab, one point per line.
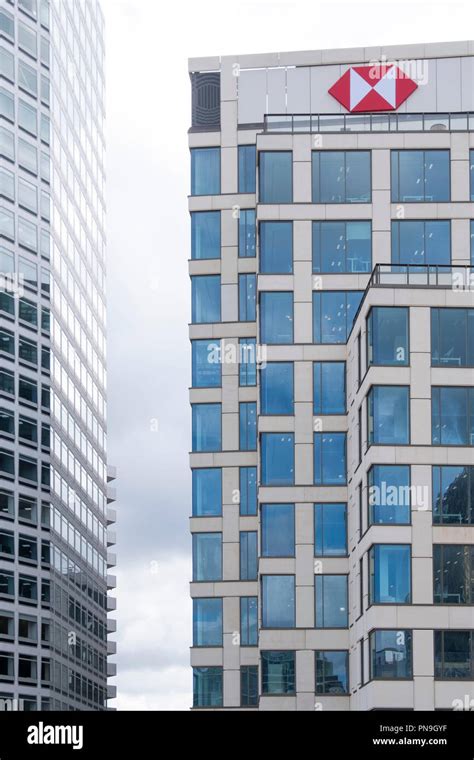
276	247
330	530
207	367
205	171
389	414
453	495
207	492
278	672
249	685
329	387
206	296
248	426
278	530
420	175
330	459
207	622
389	494
333	315
421	243
472	243
247	362
341	176
387	336
276	388
247	234
390	573
452	337
247	297
207	556
452	415
471	162
207	687
207	427
248	621
206	235
331	601
247	168
248	490
332	672
391	654
342	247
276	318
278	601
276	177
248	556
278	459
453	574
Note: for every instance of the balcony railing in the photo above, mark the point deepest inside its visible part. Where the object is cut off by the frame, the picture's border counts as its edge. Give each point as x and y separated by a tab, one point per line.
370	122
398	275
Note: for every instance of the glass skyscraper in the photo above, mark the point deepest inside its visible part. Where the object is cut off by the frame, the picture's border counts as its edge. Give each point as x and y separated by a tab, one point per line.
54	492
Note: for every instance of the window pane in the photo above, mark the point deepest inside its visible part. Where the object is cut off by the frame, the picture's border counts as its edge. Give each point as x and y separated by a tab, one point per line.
389	415
341	176
207	427
206	296
249	686
452	416
207	556
453	495
333	315
278	459
391	654
207	367
278	672
454	654
331	601
453	574
452	337
248	490
247	297
330	530
278	530
276	389
247	168
390	568
276	247
278	601
247	362
332	672
387	335
205	171
207	687
276	318
389	494
247	234
248	556
248	426
330	459
207	492
420	176
329	387
248	621
207	622
418	243
276	177
206	235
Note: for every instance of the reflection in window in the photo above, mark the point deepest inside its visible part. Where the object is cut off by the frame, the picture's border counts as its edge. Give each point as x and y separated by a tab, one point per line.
452	416
207	492
247	234
454	654
205	171
276	388
206	299
387	336
278	601
207	434
207	687
389	415
207	622
278	459
207	556
453	495
276	177
249	685
330	459
391	654
332	672
390	574
206	235
247	362
207	366
276	318
278	530
453	568
247	168
278	672
248	556
247	297
248	490
248	426
248	621
342	247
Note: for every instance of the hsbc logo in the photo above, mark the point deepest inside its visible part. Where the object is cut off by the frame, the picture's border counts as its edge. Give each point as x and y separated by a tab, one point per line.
379	87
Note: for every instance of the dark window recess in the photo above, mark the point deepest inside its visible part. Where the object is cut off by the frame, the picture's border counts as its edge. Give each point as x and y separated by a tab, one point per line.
206	100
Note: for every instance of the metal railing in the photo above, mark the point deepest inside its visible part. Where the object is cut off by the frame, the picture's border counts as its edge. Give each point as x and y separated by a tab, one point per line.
415	276
370	122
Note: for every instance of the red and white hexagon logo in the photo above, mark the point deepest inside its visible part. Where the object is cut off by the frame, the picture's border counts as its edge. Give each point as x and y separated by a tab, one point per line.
373	88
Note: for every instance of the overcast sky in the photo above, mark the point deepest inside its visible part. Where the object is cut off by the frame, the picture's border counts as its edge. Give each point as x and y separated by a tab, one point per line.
148	43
